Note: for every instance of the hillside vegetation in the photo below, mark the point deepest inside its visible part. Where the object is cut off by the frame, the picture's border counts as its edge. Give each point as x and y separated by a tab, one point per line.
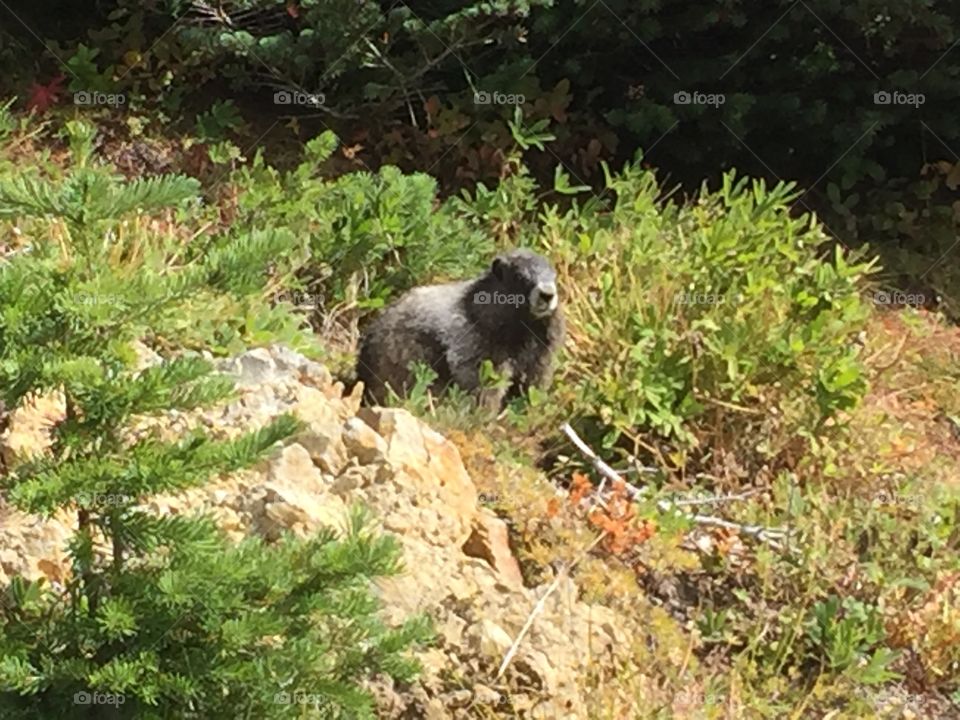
716	346
782	537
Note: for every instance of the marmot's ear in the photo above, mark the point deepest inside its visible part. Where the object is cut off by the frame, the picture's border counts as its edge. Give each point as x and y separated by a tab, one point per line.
499	267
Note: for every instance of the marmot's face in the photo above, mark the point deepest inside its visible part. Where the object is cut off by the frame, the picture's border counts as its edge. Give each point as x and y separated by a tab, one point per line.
543	299
533	277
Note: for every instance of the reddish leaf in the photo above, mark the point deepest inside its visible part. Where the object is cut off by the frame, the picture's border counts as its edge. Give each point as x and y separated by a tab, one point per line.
579	487
43	96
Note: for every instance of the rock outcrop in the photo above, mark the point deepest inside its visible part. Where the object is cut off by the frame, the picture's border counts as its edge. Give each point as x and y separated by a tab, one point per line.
458	564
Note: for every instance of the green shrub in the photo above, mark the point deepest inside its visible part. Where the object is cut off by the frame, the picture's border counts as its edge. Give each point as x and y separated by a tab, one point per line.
677	310
160	616
363	237
845	634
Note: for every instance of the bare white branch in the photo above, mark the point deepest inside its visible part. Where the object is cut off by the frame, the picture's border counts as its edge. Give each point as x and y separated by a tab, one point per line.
770	536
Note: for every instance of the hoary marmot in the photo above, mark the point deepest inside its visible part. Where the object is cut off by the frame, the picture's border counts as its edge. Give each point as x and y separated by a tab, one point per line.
509	315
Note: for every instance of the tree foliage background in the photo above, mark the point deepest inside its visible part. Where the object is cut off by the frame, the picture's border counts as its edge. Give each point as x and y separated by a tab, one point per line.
809	88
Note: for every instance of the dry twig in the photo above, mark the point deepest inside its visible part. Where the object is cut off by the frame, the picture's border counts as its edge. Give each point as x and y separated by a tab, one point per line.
541	603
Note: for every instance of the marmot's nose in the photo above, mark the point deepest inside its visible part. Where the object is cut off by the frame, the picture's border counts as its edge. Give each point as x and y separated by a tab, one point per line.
547	290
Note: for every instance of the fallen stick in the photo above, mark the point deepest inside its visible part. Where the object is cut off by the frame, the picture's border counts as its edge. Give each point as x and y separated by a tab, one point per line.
770	536
608	472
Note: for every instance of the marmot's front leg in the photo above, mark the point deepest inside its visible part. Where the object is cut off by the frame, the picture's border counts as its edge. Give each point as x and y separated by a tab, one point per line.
493	398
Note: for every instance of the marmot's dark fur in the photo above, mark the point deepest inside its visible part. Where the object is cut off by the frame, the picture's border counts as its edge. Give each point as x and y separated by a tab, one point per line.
509	315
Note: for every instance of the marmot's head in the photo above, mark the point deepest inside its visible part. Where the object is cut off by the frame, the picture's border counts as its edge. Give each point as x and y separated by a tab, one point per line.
524	273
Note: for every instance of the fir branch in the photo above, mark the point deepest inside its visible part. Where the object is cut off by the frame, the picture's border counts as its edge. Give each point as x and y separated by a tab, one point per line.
238	266
146	194
147	467
90	195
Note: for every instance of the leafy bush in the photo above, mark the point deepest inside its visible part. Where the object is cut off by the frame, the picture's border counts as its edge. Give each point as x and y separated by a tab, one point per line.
841	634
680	311
363	236
160	616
